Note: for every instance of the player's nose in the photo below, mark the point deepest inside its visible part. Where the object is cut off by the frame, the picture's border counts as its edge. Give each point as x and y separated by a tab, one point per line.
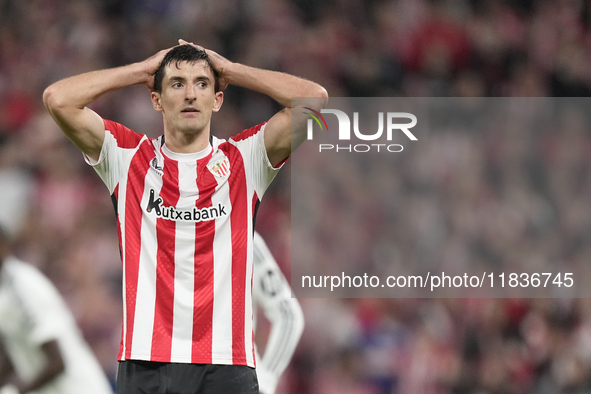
190	93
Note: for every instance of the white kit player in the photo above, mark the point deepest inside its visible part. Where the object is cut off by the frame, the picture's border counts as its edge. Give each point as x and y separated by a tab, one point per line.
185	205
272	293
41	347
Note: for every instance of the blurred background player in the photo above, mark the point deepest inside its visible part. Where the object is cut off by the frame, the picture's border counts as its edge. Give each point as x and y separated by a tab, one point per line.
272	293
41	348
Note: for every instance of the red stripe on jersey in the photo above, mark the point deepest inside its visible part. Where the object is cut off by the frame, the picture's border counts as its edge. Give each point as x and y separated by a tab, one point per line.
247	133
126	138
203	301
165	264
239	223
138	169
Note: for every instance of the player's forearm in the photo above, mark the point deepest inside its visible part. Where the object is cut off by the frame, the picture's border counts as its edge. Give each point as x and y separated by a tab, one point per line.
81	90
279	86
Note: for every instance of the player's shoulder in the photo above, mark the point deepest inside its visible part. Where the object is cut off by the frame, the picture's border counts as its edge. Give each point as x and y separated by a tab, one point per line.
216	142
249	133
124	136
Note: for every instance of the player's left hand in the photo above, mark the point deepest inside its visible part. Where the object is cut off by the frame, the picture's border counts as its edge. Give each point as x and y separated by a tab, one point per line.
219	63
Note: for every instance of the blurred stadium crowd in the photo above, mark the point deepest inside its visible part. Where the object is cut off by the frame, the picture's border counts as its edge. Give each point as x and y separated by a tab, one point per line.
63	222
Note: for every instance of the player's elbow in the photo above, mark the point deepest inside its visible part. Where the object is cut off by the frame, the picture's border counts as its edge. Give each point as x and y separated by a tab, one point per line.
314	97
51	99
321	94
56	99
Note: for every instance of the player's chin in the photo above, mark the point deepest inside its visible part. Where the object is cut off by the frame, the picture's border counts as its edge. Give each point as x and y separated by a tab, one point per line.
190	127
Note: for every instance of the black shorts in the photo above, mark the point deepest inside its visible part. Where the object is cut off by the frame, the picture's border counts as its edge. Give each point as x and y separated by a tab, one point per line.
147	377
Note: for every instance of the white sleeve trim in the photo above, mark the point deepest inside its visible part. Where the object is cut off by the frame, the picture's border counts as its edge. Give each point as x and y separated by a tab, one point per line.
111	161
90	161
265	155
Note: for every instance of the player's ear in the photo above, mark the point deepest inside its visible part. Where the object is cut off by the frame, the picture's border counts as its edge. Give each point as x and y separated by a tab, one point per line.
156	101
219	100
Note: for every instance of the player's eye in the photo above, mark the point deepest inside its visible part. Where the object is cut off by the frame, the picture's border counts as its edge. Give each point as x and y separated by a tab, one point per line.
177	85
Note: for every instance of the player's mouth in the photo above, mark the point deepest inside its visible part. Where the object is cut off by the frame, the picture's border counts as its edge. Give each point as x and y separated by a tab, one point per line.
190	110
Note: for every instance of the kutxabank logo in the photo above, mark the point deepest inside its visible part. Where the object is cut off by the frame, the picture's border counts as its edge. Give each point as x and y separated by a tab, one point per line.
155	204
344	133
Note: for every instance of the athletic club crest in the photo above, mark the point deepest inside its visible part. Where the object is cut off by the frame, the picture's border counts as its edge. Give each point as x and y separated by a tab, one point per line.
219	167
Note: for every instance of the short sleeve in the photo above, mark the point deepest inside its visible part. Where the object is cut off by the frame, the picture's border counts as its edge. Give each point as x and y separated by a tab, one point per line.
251	143
119	145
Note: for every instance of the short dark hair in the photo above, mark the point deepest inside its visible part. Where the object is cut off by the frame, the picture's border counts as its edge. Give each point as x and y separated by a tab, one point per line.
183	53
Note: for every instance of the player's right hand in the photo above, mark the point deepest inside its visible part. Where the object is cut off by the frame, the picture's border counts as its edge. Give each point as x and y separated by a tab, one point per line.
151	65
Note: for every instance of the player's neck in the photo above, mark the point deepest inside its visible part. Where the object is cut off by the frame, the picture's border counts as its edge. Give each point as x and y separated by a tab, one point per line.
180	142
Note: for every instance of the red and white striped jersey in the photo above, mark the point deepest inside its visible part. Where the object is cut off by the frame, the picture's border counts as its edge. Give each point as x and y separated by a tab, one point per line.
185	225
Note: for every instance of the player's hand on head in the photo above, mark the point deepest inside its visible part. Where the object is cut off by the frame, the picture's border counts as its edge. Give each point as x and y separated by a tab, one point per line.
219	63
151	64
